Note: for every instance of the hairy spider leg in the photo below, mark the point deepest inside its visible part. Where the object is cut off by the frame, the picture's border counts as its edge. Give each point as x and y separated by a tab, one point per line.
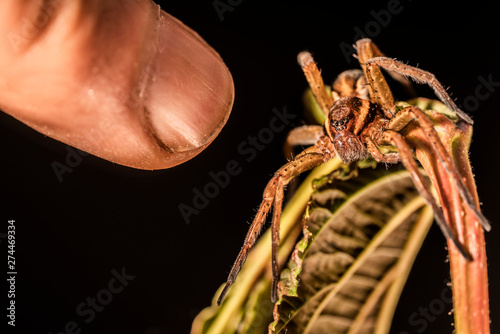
305	135
313	76
405	116
422	185
419	76
251	237
381	92
377	86
350	83
388	158
372	70
275	236
398	120
273	194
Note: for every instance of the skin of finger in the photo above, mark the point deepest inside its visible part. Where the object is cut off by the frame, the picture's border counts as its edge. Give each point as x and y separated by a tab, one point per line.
122	80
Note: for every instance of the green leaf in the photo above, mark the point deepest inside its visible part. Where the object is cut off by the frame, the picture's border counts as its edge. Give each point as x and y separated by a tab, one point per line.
365	227
313	111
362	238
232	315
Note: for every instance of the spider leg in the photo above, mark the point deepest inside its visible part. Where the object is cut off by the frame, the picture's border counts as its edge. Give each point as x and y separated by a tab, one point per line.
250	239
275	236
306	135
351	83
367	49
377	86
408	114
420	76
391	158
313	76
273	194
372	131
422	184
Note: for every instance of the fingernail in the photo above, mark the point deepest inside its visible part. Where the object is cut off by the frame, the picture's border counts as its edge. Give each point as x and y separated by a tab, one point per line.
191	90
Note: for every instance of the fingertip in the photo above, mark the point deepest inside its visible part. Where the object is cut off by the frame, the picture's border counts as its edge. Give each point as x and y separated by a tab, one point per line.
191	91
135	86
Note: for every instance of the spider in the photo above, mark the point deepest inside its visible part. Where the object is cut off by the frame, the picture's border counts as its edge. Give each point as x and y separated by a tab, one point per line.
361	117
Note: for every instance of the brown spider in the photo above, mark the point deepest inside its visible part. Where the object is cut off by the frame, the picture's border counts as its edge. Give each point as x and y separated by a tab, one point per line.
361	117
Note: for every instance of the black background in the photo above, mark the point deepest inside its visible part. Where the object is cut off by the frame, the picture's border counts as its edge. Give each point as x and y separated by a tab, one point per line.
71	234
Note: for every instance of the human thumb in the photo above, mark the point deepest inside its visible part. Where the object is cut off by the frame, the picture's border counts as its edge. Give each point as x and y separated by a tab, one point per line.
122	80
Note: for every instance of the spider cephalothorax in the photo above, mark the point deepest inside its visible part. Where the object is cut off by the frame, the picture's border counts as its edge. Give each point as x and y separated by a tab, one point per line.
361	118
340	127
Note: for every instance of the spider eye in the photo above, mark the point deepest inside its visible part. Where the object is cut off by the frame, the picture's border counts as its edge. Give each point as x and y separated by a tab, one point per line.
340	125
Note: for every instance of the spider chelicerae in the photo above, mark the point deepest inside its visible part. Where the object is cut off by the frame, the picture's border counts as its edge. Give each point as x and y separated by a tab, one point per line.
361	117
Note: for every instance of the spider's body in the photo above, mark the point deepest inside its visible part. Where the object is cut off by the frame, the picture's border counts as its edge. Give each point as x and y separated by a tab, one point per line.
342	130
361	117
